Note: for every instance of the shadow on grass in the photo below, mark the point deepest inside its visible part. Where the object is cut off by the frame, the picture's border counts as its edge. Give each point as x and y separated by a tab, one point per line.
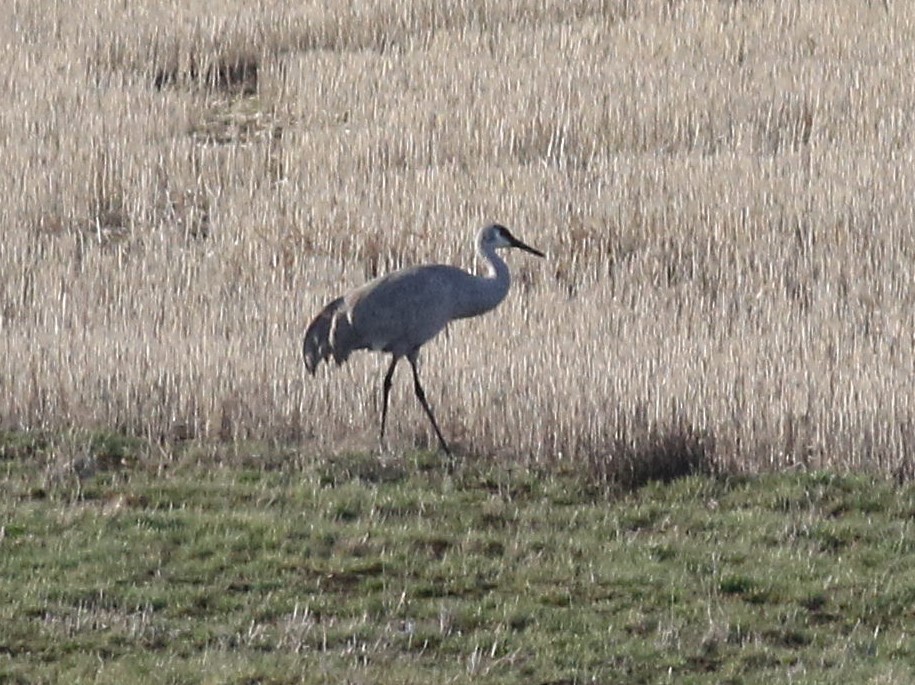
368	468
661	454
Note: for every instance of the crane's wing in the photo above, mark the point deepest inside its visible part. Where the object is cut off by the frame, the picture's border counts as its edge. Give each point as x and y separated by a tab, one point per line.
396	313
317	345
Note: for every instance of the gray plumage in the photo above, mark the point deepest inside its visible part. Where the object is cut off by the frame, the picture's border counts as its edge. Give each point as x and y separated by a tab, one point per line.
400	312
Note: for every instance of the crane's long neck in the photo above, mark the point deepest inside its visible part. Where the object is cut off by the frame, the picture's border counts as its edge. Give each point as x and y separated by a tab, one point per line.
485	292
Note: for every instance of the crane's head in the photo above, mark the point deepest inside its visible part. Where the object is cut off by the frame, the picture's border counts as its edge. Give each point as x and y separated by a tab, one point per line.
497	235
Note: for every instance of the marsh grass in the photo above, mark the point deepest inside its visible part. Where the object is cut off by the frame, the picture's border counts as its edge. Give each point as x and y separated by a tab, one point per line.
724	190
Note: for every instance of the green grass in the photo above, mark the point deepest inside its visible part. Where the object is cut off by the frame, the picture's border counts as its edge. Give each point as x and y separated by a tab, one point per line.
238	567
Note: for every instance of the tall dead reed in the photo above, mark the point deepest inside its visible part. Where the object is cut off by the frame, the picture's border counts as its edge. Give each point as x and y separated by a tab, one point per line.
725	191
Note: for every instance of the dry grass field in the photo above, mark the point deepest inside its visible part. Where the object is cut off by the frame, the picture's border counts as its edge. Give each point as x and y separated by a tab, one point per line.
725	190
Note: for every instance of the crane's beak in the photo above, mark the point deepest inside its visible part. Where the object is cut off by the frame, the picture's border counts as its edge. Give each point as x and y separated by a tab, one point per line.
523	246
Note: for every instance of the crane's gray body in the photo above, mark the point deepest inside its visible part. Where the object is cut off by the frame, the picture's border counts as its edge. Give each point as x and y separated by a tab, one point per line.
400	312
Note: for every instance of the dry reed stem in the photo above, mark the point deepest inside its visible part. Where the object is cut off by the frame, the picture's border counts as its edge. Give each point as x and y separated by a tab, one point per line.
724	189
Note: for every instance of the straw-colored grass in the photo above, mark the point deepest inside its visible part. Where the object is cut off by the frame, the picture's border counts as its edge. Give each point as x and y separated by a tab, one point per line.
725	191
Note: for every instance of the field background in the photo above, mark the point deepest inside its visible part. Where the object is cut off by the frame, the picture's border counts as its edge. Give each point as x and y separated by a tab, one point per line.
725	194
724	190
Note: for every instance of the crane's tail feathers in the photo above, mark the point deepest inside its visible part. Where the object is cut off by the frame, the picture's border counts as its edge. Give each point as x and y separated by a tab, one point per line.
317	345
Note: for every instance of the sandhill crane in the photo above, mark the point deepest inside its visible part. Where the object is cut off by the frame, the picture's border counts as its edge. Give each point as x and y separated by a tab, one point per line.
400	312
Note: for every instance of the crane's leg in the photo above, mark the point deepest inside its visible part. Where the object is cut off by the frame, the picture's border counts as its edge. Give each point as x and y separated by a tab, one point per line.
386	387
421	396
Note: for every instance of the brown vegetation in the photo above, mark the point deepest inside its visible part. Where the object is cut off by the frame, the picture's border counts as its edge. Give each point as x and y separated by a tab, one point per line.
725	191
